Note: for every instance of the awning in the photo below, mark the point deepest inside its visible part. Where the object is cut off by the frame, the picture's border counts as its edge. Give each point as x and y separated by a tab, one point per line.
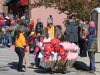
22	3
7	2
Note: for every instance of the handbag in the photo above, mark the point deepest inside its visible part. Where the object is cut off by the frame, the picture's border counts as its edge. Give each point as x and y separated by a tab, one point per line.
93	47
12	47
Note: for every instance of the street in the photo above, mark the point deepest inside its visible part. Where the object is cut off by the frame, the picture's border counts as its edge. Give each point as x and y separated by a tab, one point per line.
9	59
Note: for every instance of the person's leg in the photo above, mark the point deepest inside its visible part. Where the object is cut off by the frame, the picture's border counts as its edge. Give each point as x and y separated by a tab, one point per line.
7	41
2	42
81	47
85	51
10	41
92	60
27	64
21	55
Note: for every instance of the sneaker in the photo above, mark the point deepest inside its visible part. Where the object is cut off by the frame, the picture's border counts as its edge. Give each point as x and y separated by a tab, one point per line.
0	44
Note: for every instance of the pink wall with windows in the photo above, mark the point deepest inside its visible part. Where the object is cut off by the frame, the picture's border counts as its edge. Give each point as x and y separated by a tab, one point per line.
44	13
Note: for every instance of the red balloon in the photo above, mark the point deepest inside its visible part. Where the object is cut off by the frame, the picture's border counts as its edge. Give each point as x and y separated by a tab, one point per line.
48	47
55	41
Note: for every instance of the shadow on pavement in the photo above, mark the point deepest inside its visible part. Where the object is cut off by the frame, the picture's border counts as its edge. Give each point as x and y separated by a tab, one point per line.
43	71
97	62
13	65
81	66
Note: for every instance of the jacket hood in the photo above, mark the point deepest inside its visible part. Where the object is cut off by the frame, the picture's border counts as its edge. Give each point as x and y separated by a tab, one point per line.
23	22
92	24
72	23
91	30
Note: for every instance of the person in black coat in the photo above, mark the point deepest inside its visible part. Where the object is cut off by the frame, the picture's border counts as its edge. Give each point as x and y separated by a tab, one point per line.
39	27
71	32
23	26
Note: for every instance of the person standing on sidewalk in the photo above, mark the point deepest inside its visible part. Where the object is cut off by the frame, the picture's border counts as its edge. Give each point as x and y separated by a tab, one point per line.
19	48
80	40
71	32
91	35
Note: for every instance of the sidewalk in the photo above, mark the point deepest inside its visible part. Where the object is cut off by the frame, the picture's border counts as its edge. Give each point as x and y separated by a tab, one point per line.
87	62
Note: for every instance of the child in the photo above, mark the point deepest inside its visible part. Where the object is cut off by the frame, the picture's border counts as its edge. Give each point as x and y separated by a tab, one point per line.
36	53
3	37
91	36
32	42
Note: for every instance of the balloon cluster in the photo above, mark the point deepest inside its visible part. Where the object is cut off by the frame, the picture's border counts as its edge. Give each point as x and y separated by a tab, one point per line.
55	46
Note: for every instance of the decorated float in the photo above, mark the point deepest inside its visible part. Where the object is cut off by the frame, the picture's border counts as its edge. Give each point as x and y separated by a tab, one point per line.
57	55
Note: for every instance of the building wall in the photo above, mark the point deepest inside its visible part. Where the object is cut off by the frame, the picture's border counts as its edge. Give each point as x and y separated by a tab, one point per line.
3	8
44	13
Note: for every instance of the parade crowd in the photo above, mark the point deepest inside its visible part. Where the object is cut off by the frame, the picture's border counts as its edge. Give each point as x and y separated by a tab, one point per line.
21	33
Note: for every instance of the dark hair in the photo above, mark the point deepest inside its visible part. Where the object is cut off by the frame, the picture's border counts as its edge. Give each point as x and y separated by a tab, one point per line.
70	17
17	36
82	19
21	31
50	15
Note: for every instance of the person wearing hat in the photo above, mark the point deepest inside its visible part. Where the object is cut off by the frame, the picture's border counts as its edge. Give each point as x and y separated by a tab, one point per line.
51	31
71	32
11	16
19	48
3	37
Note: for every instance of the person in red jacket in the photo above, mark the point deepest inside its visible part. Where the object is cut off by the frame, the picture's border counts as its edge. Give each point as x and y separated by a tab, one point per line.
32	42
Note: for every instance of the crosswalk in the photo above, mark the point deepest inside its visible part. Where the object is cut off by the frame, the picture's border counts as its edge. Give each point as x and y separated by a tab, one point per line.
9	61
8	56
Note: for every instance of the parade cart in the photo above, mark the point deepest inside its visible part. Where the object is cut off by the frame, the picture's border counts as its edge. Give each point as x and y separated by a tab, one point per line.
57	65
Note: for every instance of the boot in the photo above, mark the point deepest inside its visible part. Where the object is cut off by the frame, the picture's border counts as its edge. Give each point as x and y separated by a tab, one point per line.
92	70
20	70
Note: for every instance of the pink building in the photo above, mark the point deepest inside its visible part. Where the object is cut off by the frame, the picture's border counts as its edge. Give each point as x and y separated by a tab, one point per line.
44	13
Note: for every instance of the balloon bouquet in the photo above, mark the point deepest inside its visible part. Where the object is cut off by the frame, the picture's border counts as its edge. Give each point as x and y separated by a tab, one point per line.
57	51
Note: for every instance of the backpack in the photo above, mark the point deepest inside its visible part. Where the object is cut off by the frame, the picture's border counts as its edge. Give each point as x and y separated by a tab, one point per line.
84	30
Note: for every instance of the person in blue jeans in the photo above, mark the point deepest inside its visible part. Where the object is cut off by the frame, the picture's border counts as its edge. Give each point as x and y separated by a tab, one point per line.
3	37
8	37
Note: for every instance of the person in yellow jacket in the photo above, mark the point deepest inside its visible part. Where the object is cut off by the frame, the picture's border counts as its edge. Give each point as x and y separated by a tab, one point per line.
19	48
51	31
